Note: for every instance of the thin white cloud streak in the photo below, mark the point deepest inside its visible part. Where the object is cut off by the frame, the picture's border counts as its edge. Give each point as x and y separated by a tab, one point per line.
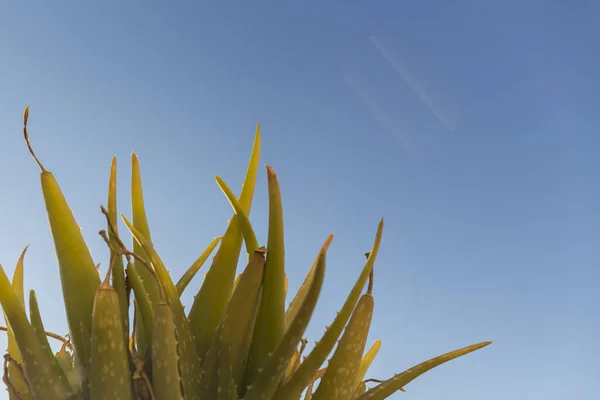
354	84
388	53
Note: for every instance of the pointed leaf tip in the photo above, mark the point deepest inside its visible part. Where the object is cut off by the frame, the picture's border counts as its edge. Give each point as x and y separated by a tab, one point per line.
26	136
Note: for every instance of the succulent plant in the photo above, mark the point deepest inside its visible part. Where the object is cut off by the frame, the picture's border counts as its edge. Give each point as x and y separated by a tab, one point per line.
130	338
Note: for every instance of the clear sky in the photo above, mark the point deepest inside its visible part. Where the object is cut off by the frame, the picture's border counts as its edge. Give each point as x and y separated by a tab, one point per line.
471	126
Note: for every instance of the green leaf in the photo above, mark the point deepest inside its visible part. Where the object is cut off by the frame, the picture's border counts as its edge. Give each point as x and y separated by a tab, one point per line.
44	383
165	356
308	394
367	361
342	370
392	385
301	378
227	387
78	274
190	362
118	271
229	350
295	360
15	376
270	321
211	301
66	360
269	378
110	370
242	218
38	327
195	267
145	310
140	222
360	389
301	294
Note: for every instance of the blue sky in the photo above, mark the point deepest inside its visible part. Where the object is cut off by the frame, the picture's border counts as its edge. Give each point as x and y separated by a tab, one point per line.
471	126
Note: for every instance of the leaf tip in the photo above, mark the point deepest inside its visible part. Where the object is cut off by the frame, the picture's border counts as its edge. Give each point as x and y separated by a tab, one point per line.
271	175
26	136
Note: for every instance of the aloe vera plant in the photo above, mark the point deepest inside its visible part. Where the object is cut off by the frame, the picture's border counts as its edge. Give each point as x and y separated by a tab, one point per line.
238	340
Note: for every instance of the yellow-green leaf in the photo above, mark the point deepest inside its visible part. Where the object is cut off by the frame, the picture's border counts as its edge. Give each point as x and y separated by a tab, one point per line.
15	376
190	362
67	362
301	294
78	273
44	383
195	267
295	360
367	361
38	327
269	378
360	389
342	370
145	310
392	385
229	350
140	222
294	386
242	218
110	372
118	271
165	356
309	390
211	301
270	321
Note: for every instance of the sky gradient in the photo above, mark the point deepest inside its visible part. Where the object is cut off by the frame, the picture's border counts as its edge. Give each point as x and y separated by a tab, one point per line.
470	126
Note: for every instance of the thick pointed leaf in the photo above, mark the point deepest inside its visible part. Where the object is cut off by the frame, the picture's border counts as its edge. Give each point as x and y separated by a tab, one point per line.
242	218
140	222
270	321
211	301
190	362
195	267
227	388
165	356
38	327
118	271
78	273
342	370
15	376
367	361
44	383
79	276
301	294
392	385
269	378
110	370
145	310
230	392
229	350
301	378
